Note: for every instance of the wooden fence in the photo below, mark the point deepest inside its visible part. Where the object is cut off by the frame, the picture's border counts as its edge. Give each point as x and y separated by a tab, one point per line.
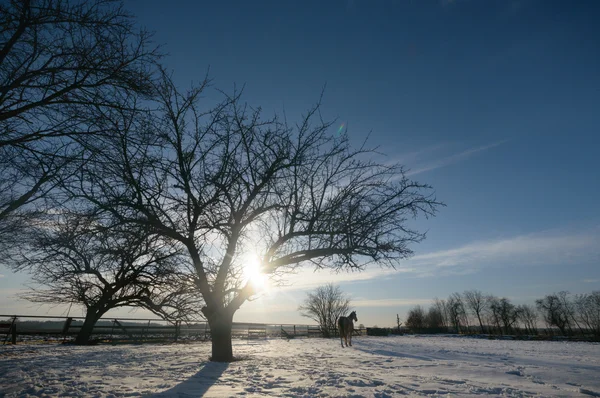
36	328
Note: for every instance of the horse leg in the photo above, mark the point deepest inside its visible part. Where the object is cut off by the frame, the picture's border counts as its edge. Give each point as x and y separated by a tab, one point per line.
350	338
342	339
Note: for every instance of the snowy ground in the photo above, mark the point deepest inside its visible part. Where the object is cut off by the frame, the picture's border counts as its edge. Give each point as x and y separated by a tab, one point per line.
374	367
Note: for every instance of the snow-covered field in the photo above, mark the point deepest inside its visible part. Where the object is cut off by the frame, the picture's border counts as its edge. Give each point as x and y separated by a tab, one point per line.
373	367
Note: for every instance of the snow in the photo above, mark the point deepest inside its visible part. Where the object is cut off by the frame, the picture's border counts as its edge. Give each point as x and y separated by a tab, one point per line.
374	367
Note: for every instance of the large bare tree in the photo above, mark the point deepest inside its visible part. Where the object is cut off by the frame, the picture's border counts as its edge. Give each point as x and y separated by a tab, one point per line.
235	189
59	61
325	305
76	259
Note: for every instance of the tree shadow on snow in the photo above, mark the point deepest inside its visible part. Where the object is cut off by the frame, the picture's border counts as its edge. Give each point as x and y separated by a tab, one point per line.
198	384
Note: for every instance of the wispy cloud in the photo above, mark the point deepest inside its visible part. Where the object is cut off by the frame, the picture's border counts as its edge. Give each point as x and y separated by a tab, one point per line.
414	157
397	302
452	159
591	280
307	279
1	275
544	248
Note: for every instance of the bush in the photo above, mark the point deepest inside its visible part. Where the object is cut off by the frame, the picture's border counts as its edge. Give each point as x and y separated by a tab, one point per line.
378	331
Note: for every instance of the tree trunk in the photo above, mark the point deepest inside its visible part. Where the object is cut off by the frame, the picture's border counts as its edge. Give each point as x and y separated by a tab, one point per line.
220	324
480	324
91	317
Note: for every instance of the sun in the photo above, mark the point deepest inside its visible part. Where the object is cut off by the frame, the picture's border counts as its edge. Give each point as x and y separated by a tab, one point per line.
253	273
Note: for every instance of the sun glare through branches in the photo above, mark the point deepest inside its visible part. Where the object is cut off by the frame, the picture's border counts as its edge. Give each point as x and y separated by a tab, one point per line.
254	275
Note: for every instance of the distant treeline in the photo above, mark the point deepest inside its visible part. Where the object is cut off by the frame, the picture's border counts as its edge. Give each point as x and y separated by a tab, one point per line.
475	312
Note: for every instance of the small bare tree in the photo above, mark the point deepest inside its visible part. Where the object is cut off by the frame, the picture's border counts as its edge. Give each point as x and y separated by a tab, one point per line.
588	311
553	312
528	317
508	313
76	259
442	308
415	319
570	310
434	318
398	322
477	304
325	305
457	313
494	312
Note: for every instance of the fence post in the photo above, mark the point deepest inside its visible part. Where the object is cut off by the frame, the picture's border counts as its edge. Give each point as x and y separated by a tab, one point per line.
147	330
66	327
294	330
177	326
112	329
13	339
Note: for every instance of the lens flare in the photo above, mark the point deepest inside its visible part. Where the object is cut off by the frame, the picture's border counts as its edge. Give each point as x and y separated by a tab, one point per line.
253	273
341	128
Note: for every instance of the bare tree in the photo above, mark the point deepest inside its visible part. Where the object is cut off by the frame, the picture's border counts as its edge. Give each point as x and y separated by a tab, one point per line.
442	308
434	318
456	312
415	319
553	312
325	305
528	317
588	311
494	310
59	59
477	304
570	310
398	323
231	187
76	259
508	313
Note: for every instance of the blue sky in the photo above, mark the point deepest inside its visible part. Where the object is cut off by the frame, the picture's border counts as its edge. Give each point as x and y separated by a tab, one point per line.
494	103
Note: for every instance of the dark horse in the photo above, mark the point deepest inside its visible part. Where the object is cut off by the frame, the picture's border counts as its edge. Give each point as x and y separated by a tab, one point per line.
346	326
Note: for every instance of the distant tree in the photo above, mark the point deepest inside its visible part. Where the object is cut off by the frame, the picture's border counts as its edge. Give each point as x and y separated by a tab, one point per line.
398	322
415	320
325	305
553	312
475	302
75	259
528	317
494	312
226	185
58	61
508	314
570	310
442	309
434	318
588	311
457	313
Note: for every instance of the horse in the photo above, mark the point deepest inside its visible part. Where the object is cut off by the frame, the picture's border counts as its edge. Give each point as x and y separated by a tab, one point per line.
346	326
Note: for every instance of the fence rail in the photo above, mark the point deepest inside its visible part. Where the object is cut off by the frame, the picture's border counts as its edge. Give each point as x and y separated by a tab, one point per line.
35	328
